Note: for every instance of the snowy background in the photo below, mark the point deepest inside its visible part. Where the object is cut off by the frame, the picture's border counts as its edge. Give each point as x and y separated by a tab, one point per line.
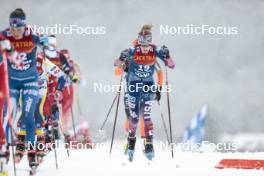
223	71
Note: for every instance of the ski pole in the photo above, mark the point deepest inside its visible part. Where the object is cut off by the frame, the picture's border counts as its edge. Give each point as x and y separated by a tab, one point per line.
169	112
9	110
78	102
116	113
161	114
164	125
109	111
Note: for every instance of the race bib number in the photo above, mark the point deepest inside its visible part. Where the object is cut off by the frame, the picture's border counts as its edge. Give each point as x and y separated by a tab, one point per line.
143	71
20	62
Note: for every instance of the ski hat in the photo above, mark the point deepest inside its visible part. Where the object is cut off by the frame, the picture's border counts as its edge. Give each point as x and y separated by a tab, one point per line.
17	18
52	41
145	35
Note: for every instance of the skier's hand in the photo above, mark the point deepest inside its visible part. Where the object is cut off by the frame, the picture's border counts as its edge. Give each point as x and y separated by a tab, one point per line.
75	78
158	93
118	63
5	45
169	63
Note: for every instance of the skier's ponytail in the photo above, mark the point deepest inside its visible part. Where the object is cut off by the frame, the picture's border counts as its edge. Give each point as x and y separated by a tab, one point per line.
18	13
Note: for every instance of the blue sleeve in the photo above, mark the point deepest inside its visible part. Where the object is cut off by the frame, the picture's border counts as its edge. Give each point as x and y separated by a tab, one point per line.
62	82
36	39
1	57
126	54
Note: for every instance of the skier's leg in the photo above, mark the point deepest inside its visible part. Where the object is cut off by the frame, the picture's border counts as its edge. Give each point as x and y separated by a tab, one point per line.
55	120
15	87
48	120
126	103
134	105
40	129
142	126
147	106
29	104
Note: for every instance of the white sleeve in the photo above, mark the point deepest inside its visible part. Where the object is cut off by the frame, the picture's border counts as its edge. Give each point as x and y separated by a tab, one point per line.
52	69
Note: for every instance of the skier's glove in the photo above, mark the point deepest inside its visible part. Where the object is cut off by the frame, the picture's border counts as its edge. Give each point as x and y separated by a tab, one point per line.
5	45
158	93
169	63
75	78
165	51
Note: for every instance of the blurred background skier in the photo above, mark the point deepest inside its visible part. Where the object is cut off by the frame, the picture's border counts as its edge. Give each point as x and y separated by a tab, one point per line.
46	70
71	95
52	106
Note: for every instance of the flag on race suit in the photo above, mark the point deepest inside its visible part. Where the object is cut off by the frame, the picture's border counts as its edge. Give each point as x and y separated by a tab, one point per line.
194	133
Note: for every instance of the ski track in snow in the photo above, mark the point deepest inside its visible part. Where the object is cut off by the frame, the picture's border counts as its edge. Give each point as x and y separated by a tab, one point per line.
96	162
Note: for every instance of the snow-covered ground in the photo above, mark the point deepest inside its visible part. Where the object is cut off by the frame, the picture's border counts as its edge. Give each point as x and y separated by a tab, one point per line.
97	162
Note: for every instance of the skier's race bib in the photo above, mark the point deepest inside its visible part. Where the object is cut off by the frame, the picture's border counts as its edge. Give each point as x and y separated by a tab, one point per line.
143	71
21	62
143	63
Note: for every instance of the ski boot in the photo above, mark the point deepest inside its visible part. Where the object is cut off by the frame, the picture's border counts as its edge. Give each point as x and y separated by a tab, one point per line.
48	136
32	161
55	130
149	149
20	148
131	146
40	148
3	161
67	140
7	153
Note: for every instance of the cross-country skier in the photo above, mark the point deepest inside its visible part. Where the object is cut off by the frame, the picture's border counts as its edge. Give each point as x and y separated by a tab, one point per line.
141	60
124	70
23	80
46	70
51	107
82	135
68	94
